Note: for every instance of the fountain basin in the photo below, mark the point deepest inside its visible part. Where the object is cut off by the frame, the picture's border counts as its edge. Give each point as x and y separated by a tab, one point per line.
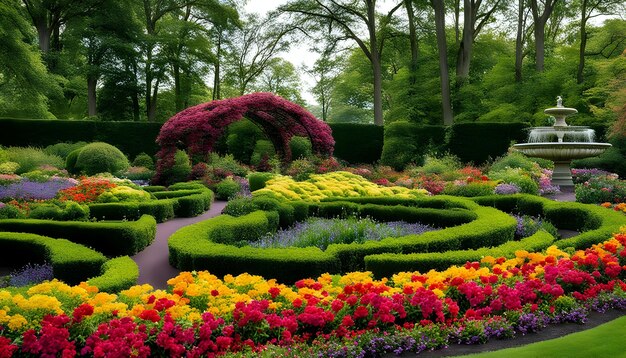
562	152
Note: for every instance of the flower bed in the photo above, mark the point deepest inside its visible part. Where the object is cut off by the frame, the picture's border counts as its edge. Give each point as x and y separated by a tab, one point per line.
201	314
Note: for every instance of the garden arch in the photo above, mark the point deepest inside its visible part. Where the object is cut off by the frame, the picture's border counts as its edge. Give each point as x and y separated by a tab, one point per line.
198	128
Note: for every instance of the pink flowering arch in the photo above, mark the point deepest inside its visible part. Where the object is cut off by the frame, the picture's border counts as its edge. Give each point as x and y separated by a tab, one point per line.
198	128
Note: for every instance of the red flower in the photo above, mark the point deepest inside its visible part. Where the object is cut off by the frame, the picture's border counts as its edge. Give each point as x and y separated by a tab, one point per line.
81	311
150	315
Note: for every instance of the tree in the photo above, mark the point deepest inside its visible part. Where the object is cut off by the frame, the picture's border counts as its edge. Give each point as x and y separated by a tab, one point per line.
325	71
442	46
520	39
541	15
101	39
24	81
281	78
252	50
350	19
590	9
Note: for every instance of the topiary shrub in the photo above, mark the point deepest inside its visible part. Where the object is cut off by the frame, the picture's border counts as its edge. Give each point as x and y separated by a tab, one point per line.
227	189
242	139
180	171
63	149
300	147
257	180
70	161
100	157
143	160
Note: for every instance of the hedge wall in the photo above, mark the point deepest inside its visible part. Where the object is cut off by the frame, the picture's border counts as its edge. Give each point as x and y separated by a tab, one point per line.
110	238
357	143
477	142
116	275
131	138
407	143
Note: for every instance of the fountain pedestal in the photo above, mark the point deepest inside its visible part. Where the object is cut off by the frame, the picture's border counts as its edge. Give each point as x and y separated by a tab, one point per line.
562	175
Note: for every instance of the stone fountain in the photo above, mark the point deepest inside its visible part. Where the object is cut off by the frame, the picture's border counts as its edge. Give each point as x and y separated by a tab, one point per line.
561	143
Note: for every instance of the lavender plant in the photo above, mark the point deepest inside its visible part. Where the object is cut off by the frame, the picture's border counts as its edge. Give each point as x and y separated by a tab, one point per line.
506	189
528	225
27	189
321	232
31	274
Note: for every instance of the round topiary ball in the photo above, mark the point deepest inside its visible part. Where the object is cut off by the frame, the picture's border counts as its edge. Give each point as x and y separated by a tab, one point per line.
101	157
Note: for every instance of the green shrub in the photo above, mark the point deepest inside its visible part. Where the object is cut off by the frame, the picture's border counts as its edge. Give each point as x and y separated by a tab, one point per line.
63	149
30	158
101	157
470	189
239	206
176	193
512	160
301	169
190	185
193	205
46	211
9	167
180	171
357	143
116	275
123	193
74	211
71	262
143	160
241	140
468	140
9	212
153	188
518	177
227	189
257	180
226	164
300	147
433	165
70	161
408	143
262	149
110	238
4	157
161	210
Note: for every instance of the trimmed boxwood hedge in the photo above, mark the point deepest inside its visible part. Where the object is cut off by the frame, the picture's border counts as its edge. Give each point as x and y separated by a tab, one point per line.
596	222
467	140
161	210
70	262
202	245
385	265
116	275
109	238
357	143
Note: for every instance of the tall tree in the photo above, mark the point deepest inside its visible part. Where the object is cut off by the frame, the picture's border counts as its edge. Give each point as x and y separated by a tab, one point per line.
590	9
520	38
353	20
252	50
281	78
325	72
476	14
541	10
442	48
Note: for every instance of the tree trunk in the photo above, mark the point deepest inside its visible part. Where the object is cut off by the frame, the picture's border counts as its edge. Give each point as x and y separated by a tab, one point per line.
44	34
92	82
519	44
412	37
540	38
464	54
376	66
153	102
216	77
583	43
440	25
178	97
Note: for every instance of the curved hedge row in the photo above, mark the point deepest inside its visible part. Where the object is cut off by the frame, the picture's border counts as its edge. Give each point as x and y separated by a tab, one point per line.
204	245
116	275
70	262
109	238
596	223
179	203
385	265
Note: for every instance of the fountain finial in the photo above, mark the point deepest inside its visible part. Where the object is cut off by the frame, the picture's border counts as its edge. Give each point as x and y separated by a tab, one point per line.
559	101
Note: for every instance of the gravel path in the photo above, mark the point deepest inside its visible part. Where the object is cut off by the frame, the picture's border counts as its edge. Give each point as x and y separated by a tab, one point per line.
154	267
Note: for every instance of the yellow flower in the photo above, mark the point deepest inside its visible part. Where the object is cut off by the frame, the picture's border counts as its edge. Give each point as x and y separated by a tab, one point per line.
17	321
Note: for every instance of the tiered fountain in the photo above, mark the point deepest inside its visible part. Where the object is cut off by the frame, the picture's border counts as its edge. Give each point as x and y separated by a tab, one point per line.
561	143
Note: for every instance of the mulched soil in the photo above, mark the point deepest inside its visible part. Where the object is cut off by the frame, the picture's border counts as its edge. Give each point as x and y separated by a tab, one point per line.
550	332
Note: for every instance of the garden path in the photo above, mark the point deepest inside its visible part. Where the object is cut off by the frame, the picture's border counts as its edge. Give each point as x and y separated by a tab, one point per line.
154	267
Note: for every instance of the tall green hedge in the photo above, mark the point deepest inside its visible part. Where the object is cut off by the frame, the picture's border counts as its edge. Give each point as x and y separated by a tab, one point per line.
477	142
357	143
407	143
131	138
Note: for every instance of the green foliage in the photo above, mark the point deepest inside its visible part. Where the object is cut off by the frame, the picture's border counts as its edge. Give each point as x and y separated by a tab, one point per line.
301	169
257	180
241	140
357	143
180	171
470	189
408	143
123	193
63	149
517	177
227	189
161	210
116	275
30	158
228	164
143	160
9	212
300	147
71	262
110	238
9	167
101	157
434	165
70	161
70	211
262	149
477	142
512	160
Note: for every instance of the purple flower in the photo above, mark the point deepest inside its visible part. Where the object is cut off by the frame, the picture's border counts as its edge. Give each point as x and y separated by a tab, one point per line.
31	274
506	189
27	189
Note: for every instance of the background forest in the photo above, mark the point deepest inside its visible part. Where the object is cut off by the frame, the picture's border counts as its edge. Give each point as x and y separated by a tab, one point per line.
425	61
